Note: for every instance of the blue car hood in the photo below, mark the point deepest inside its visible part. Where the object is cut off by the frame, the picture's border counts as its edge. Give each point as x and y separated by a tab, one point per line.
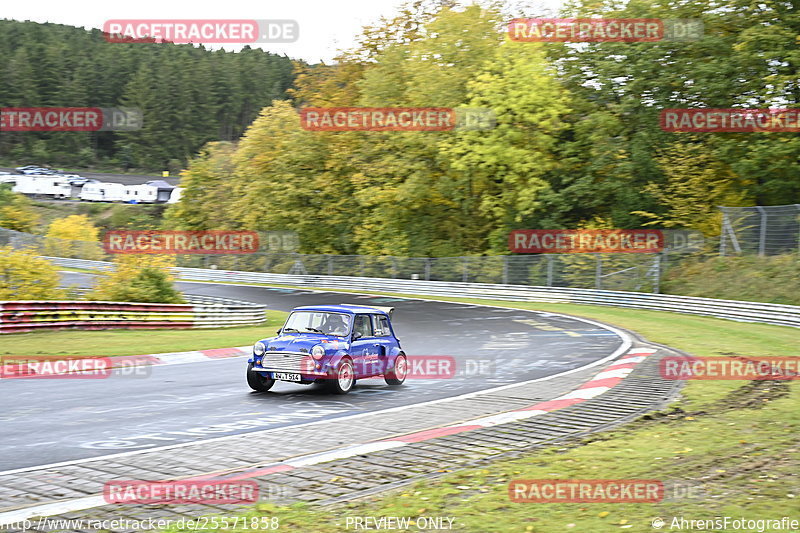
303	342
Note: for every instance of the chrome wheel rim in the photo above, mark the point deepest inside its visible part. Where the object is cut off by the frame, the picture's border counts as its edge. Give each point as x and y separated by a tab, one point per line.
400	368
345	376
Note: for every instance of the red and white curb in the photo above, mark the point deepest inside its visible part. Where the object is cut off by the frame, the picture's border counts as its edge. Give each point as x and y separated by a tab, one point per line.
127	361
599	384
179	358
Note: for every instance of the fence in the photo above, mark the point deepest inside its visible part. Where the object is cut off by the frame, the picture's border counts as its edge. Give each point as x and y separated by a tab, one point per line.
765	230
634	271
783	315
200	312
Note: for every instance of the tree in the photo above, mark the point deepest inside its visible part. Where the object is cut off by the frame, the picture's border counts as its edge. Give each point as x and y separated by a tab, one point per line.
23	276
189	95
138	278
73	236
16	212
502	172
696	184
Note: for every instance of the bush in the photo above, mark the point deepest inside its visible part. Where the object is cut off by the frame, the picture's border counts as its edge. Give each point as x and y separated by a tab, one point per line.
138	278
23	276
771	279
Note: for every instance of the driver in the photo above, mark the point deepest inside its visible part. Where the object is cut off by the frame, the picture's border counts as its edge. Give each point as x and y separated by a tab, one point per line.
336	325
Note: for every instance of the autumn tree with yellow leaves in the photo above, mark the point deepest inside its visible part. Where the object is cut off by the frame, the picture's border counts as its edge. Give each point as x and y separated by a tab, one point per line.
23	276
73	236
138	278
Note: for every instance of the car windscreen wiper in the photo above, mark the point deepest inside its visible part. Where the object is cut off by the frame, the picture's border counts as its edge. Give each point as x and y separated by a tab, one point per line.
314	330
291	329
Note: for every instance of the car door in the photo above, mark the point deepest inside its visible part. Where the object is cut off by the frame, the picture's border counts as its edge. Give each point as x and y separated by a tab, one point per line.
364	349
384	339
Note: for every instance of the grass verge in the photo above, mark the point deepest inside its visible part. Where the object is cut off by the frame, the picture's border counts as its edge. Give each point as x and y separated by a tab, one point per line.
731	446
108	343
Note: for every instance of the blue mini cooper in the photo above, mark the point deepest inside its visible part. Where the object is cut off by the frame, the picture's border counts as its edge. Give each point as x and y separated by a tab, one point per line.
331	344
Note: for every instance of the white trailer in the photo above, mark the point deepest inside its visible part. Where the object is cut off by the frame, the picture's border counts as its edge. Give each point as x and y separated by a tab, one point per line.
53	186
144	193
175	196
101	191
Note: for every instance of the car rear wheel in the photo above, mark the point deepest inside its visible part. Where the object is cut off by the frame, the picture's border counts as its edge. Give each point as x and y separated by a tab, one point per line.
257	381
398	374
342	380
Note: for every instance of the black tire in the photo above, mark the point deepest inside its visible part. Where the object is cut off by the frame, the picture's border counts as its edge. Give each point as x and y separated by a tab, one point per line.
395	378
335	384
258	382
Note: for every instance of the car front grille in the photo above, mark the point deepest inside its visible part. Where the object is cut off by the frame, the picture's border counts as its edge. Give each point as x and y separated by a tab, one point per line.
285	362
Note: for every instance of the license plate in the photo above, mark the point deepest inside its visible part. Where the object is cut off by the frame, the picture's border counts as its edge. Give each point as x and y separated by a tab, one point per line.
283	376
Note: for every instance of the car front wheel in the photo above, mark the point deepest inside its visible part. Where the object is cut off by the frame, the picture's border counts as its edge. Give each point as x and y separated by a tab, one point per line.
257	381
342	380
398	374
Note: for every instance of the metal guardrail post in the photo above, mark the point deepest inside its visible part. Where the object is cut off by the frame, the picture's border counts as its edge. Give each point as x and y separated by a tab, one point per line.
550	261
797	206
598	272
464	269
505	270
657	274
762	234
427	269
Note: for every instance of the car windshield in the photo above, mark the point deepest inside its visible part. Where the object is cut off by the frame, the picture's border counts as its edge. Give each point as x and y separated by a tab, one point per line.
337	324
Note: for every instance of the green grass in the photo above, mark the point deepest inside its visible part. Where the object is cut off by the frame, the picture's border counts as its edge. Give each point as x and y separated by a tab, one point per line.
108	343
736	444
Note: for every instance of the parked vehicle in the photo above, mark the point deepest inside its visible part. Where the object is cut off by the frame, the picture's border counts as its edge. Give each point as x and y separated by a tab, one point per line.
144	193
330	344
52	186
176	195
37	170
101	191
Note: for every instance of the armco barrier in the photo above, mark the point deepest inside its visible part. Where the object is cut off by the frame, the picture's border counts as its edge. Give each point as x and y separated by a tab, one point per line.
202	312
783	315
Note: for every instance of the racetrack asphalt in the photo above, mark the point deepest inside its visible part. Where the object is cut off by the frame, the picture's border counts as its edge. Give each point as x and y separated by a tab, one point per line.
47	421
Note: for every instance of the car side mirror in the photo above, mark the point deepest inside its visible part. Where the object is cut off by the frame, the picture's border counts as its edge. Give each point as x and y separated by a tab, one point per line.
357	335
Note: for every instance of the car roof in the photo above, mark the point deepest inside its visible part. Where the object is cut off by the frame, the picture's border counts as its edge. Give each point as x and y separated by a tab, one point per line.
349	309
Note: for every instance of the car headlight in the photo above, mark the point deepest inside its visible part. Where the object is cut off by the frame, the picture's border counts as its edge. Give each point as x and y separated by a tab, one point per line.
259	348
317	352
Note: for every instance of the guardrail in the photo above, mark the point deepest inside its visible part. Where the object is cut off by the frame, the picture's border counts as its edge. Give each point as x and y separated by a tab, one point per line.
202	312
778	314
